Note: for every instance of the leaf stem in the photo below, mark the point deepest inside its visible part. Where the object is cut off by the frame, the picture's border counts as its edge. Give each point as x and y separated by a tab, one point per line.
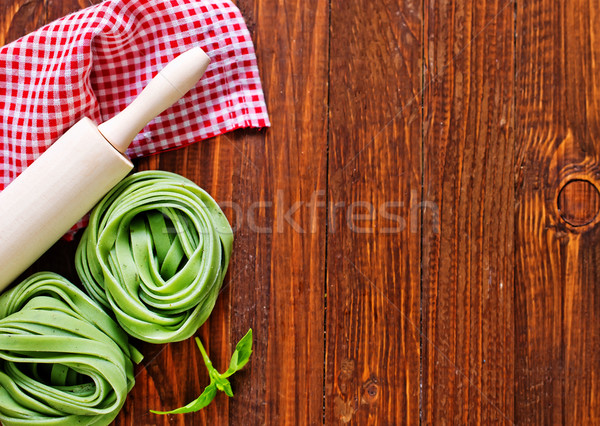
207	360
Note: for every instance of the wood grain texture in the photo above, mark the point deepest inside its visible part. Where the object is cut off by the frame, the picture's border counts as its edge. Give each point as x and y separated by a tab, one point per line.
283	265
58	8
373	274
416	237
18	17
557	131
468	262
578	202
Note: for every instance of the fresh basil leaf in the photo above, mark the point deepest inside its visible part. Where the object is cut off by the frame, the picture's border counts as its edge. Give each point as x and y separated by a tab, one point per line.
241	355
218	381
233	363
223	385
228	390
198	404
244	350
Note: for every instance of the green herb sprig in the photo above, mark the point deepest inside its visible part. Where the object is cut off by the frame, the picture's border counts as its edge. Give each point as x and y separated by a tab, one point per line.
218	381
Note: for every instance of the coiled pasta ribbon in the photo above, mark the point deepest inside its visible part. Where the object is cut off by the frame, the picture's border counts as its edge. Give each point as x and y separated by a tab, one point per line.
156	252
63	360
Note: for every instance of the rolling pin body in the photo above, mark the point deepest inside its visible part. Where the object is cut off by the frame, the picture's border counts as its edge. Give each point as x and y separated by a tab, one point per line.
65	182
52	194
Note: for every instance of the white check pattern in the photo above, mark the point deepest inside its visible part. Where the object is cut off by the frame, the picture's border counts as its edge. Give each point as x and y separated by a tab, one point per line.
95	61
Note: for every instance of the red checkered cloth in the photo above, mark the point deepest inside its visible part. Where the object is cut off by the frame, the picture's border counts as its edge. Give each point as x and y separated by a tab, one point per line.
95	61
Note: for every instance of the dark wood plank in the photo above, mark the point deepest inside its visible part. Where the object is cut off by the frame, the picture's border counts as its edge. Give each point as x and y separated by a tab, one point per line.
467	306
373	256
18	17
557	131
282	272
58	8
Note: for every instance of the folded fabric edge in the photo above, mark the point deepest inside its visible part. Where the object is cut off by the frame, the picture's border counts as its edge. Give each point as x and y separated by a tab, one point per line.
221	132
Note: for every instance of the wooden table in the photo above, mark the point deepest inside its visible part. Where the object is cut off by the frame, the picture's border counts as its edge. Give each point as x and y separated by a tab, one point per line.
416	235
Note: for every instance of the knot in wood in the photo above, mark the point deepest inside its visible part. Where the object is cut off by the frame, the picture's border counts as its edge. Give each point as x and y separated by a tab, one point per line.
578	202
370	391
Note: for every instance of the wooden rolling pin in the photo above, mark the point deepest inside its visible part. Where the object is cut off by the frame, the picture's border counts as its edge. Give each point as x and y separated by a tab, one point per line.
65	182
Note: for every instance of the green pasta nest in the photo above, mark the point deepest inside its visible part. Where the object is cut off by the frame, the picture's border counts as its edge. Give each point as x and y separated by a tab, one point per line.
156	252
63	360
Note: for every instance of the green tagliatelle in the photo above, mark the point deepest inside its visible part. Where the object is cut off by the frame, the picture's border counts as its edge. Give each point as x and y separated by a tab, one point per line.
156	252
63	360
